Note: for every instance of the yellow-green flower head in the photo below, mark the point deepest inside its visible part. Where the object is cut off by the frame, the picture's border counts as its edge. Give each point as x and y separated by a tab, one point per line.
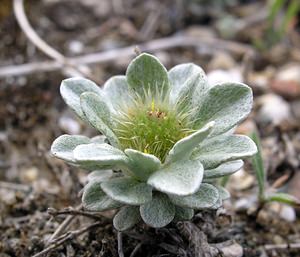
167	131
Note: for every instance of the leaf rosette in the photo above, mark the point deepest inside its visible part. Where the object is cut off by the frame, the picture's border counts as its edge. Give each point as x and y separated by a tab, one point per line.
166	136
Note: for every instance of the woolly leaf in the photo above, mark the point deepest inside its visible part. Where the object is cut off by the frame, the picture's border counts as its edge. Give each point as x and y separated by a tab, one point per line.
226	104
204	198
116	89
217	205
63	146
223	192
141	164
159	212
127	190
182	213
100	175
72	88
126	218
98	115
100	155
184	147
101	139
224	169
178	178
188	84
94	199
214	151
146	74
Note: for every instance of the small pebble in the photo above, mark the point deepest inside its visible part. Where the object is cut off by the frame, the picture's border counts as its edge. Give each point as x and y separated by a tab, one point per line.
233	250
221	60
76	47
274	109
241	180
220	76
284	211
30	174
69	125
287	81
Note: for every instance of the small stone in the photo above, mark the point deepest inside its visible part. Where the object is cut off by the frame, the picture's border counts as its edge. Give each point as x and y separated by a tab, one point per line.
241	180
76	47
43	185
246	203
274	109
220	76
284	211
277	239
69	125
261	80
8	197
30	174
287	81
246	127
221	60
288	213
233	250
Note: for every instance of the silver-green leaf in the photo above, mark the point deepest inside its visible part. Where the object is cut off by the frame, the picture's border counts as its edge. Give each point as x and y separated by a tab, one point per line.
182	214
127	190
94	199
188	85
204	198
217	205
102	156
72	88
100	139
116	90
184	147
141	164
223	192
226	104
100	175
214	151
224	169
178	178
63	146
98	115
126	218
146	74
159	212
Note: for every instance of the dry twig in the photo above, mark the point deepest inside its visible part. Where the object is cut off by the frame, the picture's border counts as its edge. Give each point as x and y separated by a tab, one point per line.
14	186
282	246
75	212
136	249
63	226
68	236
114	54
72	68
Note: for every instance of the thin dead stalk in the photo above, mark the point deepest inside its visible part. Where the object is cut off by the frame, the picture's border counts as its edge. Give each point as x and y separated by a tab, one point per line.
63	226
282	246
74	212
68	236
71	68
114	54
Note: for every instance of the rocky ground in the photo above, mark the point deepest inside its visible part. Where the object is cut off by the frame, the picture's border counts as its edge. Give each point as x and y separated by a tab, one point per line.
234	41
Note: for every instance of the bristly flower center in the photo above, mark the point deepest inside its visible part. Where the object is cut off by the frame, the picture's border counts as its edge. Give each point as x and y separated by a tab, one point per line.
151	128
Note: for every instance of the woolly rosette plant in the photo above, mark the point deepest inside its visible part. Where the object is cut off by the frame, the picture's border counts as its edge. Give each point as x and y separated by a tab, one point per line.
167	137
